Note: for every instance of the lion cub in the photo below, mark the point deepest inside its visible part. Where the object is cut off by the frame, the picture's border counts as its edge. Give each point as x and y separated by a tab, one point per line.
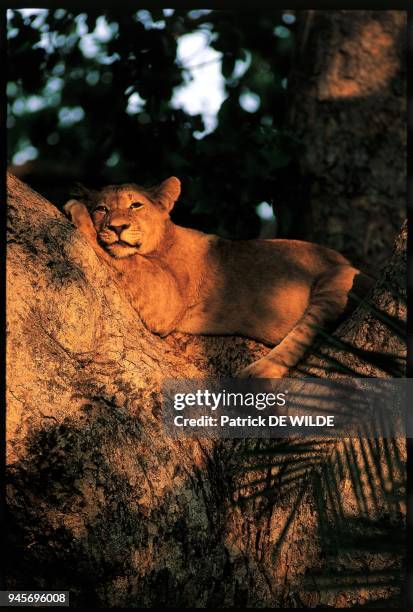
280	292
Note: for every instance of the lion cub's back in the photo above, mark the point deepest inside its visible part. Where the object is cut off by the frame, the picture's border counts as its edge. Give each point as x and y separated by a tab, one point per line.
266	261
265	285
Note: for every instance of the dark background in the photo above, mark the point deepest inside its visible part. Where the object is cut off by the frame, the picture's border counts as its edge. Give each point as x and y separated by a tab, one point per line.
323	144
82	130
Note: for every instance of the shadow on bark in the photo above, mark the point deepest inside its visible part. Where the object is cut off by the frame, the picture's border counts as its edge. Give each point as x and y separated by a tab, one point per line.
101	501
358	491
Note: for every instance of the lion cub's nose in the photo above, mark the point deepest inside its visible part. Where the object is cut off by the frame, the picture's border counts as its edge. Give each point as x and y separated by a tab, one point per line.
118	229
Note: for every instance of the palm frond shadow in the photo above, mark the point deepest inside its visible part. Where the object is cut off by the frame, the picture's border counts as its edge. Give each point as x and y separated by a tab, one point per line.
388	363
358	490
357	484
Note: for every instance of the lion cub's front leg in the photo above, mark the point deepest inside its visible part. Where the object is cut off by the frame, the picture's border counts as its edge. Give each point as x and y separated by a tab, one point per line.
80	217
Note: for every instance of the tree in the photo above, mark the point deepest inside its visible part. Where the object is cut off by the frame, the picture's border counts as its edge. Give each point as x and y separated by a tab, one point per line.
103	503
347	101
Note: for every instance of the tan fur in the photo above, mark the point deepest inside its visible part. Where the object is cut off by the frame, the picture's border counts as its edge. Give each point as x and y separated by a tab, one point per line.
280	292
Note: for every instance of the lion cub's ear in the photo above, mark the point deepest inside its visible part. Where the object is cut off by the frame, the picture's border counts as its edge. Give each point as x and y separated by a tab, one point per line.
167	192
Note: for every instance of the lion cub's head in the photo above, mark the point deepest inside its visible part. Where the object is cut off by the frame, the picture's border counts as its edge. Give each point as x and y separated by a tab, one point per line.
130	219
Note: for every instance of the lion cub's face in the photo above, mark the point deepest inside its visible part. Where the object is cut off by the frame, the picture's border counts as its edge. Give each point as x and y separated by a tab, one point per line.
130	220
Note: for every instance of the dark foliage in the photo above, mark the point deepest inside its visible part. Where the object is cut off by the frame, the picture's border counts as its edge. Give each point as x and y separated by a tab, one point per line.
72	103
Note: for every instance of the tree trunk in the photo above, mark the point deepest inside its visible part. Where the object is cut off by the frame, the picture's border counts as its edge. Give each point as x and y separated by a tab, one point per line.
348	109
104	504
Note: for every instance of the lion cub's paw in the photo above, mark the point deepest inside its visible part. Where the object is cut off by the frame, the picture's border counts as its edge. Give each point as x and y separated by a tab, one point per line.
69	206
76	210
263	368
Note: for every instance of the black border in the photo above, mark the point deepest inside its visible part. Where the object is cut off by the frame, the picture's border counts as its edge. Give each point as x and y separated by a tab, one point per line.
3	221
409	280
379	5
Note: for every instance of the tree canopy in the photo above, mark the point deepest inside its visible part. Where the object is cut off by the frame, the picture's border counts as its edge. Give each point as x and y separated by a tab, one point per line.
92	98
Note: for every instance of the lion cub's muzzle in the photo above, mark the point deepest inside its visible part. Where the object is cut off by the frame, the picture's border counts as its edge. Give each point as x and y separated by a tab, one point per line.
118	237
118	229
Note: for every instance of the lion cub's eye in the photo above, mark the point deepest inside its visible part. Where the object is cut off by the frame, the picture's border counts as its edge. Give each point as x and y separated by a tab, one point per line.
101	209
136	205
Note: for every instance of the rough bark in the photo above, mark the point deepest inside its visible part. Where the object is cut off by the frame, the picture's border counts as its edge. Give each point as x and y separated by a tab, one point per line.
104	504
348	109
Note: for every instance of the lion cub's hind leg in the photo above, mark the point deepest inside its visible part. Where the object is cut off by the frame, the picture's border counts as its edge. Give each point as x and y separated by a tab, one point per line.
328	300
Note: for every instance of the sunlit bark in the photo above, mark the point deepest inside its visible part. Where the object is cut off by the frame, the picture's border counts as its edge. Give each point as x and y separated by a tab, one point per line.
104	504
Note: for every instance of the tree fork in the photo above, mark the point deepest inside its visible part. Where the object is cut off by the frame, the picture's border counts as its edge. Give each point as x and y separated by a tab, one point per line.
101	502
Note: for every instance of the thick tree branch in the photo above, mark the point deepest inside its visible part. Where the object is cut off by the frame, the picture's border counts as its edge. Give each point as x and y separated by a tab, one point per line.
102	501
